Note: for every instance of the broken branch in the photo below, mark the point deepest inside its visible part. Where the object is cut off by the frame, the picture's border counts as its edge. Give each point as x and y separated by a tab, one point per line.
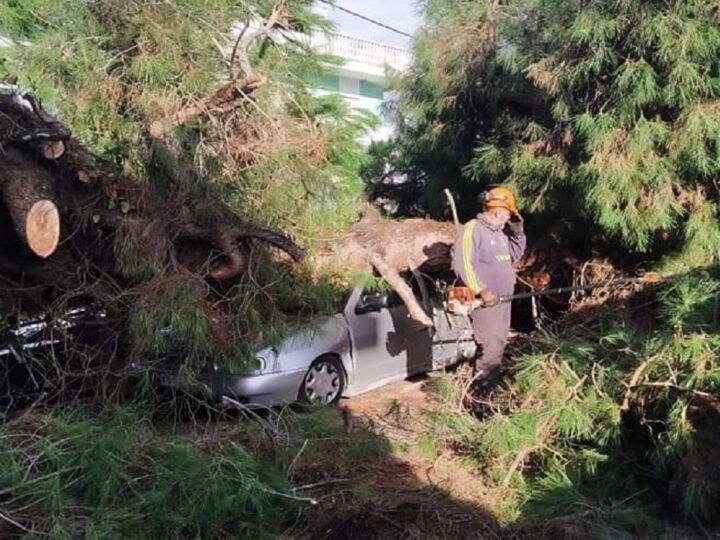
399	286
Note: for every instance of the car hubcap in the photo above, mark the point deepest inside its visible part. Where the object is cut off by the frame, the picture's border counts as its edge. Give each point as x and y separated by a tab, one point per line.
322	383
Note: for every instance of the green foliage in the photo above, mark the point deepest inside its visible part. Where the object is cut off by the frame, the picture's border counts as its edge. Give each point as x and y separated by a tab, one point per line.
427	444
137	260
609	410
612	105
113	72
172	317
116	71
118	474
603	115
119	477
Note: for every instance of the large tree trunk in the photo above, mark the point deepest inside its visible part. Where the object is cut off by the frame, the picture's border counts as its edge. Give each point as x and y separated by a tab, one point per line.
28	191
392	247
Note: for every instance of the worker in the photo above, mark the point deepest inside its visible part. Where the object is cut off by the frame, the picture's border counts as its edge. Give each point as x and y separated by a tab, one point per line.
483	256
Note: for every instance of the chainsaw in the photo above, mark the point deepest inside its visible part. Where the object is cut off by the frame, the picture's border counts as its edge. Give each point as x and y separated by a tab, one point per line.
462	301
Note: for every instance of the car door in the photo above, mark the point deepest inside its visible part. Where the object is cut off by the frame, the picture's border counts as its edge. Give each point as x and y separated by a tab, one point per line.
418	338
451	338
379	351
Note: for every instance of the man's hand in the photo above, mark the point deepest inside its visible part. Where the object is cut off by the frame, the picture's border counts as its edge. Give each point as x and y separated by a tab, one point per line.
489	298
516	224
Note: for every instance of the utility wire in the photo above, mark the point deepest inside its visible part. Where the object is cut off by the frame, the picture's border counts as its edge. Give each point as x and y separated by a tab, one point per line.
368	19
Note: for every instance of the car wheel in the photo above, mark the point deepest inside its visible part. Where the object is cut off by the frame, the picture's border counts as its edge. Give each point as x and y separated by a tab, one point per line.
324	382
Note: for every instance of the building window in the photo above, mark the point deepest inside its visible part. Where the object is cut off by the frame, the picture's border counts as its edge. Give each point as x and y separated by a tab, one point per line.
327	81
371	89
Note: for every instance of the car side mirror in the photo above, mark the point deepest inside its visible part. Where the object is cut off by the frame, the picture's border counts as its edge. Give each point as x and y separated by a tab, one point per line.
371	302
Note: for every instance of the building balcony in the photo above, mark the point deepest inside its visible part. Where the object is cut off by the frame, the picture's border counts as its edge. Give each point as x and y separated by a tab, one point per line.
361	51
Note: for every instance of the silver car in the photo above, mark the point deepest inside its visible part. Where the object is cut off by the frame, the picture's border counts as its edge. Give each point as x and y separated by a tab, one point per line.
371	342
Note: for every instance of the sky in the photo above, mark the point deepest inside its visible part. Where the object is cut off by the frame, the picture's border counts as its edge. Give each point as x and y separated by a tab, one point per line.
400	14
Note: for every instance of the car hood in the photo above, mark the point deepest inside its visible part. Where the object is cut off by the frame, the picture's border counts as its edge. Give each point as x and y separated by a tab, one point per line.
322	336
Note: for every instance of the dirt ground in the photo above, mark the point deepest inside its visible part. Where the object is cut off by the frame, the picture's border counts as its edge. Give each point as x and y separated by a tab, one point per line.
411	490
399	411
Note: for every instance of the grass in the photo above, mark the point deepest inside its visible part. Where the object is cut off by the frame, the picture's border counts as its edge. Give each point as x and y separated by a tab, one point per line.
428	445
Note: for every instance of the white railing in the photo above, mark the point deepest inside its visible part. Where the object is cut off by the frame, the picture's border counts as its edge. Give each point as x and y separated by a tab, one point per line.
361	50
347	47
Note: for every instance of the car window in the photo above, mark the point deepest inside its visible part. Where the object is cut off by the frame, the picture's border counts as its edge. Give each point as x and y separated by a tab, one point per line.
379	286
430	285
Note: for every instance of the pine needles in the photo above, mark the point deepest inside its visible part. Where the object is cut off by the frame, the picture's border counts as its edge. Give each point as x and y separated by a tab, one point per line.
610	104
603	115
116	475
606	411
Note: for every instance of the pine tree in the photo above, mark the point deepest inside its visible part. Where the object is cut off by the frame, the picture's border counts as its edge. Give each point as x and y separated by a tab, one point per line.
603	114
119	73
122	73
113	73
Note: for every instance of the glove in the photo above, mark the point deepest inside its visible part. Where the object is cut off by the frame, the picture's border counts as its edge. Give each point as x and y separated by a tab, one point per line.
516	224
489	299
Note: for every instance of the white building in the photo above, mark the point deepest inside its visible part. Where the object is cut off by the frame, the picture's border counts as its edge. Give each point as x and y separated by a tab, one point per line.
362	80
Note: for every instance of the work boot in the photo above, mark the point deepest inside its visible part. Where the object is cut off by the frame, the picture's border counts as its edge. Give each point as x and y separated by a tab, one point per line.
481	396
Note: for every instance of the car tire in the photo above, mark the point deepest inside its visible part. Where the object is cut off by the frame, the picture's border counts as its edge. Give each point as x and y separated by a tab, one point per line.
324	382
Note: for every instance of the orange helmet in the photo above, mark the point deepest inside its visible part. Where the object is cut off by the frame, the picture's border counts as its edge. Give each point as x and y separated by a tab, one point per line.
499	197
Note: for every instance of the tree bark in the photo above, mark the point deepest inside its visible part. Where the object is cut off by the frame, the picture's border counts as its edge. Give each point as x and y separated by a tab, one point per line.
28	191
391	248
401	287
222	97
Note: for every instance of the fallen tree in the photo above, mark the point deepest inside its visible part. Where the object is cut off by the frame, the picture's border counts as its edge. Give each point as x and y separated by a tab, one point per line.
80	234
175	223
583	109
389	248
31	183
615	402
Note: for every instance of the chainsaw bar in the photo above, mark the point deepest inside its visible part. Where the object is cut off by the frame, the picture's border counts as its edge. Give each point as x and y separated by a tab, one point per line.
461	301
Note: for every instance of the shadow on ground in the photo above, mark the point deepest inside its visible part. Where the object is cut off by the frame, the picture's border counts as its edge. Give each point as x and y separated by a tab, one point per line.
382	481
379	493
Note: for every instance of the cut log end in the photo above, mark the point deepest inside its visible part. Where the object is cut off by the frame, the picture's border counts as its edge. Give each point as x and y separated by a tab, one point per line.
52	149
42	228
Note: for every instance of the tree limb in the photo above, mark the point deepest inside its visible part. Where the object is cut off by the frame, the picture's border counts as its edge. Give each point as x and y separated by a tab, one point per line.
453	208
639	371
237	88
237	232
237	44
242	48
402	288
218	100
667	384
